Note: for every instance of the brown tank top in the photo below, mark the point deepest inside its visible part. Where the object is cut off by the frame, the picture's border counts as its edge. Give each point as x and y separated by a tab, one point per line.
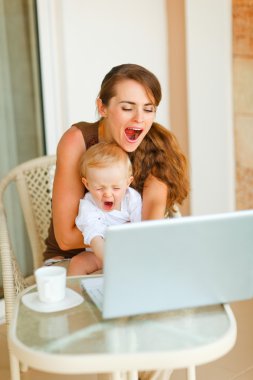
90	136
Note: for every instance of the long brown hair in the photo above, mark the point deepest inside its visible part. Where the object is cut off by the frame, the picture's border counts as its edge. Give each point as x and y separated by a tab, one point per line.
130	71
159	153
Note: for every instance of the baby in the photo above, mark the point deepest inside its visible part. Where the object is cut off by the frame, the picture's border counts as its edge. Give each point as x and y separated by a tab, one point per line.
106	173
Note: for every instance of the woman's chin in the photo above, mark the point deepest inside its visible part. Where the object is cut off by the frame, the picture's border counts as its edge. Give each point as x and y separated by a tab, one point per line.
130	146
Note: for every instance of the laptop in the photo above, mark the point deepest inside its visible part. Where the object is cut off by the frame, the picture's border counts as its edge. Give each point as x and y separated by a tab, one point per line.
170	264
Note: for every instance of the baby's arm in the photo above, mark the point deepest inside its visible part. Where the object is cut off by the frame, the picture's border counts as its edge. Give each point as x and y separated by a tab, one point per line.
90	222
97	246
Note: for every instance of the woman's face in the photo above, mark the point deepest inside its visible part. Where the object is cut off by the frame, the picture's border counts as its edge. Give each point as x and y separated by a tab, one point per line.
129	115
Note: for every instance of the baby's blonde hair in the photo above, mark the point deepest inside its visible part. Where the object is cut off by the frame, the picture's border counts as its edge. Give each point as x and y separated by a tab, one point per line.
102	155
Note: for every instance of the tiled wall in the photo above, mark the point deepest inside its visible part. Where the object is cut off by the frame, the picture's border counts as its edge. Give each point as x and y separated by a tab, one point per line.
243	100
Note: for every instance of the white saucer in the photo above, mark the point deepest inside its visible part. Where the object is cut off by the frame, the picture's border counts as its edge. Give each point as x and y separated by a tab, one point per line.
71	299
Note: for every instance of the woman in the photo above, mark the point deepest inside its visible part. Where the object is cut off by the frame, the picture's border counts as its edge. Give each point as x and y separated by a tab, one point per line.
127	103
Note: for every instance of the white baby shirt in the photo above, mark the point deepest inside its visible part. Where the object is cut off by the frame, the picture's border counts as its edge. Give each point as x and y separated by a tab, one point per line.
92	221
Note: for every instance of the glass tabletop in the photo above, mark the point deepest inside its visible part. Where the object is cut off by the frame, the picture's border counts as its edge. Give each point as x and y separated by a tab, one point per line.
82	330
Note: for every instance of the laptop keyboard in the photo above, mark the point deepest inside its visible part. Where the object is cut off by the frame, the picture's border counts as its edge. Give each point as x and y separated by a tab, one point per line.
94	286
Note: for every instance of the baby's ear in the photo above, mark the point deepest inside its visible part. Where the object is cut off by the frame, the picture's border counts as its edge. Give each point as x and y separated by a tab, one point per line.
130	180
85	182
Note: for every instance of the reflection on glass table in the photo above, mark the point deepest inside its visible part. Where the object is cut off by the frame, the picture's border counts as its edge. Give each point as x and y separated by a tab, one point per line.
78	341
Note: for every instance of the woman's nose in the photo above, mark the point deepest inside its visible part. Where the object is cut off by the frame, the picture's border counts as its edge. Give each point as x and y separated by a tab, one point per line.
138	116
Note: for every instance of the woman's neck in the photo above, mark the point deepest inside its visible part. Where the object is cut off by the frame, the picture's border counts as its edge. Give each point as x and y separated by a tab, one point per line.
104	131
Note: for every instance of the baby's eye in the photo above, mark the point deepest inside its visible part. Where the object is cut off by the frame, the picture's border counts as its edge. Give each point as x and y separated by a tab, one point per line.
116	188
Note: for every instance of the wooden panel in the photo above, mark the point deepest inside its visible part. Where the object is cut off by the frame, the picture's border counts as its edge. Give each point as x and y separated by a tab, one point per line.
177	79
243	28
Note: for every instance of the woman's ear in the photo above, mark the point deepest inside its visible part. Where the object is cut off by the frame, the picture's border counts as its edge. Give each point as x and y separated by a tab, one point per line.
85	182
102	109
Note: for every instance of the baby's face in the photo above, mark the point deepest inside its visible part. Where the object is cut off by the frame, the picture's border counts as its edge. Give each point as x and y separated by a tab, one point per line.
108	185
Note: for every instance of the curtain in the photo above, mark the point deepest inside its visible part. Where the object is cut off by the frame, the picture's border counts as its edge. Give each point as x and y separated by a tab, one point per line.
21	121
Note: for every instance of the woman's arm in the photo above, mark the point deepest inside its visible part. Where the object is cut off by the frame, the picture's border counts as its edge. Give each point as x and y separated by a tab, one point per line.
68	190
154	199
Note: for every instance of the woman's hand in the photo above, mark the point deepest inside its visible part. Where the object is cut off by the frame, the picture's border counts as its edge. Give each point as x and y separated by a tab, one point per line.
154	199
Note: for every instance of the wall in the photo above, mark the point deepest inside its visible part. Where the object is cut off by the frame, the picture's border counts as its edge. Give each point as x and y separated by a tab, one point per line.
81	40
243	100
210	108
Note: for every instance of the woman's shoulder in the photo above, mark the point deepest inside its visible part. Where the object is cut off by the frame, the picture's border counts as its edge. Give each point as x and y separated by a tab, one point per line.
89	132
72	138
85	125
79	135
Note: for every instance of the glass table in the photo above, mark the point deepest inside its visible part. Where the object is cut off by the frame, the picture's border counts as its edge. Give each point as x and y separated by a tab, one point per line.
79	341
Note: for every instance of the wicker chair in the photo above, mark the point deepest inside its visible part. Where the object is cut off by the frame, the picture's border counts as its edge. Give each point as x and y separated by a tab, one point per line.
33	180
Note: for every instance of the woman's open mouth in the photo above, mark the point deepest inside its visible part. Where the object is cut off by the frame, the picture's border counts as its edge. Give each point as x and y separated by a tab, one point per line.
132	134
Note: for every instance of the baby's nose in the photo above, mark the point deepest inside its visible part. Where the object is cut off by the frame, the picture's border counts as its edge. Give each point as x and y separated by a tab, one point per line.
107	193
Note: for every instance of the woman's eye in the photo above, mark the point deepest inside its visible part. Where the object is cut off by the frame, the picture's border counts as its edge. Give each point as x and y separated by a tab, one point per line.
149	110
126	109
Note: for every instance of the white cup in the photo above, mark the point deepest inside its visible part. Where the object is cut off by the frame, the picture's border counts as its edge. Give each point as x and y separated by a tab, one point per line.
51	283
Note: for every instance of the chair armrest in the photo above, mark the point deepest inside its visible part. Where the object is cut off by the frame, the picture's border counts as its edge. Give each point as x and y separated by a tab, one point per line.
13	281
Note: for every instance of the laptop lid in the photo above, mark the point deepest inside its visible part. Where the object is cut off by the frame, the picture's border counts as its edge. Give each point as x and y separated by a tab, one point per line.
178	263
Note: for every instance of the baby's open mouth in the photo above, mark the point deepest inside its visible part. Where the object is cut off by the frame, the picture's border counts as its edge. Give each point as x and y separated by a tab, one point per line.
132	134
108	205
